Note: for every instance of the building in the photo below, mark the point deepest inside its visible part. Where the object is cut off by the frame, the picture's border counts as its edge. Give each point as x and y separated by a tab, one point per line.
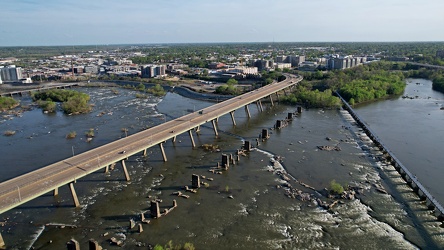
294	60
339	62
440	53
149	71
10	74
263	64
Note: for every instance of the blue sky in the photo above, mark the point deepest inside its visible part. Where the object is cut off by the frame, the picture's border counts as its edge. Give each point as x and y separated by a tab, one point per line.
74	22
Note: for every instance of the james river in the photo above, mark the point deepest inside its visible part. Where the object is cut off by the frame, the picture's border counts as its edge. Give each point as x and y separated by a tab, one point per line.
245	207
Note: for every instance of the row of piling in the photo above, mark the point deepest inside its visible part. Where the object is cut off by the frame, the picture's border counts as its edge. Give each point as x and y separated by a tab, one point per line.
409	178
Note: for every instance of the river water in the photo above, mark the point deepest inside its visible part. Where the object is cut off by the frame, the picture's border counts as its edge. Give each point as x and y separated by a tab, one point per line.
245	207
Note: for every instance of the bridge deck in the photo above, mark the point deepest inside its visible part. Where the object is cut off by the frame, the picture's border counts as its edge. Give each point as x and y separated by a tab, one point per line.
21	189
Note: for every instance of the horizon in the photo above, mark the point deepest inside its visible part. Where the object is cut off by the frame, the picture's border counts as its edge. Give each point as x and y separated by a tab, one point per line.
215	43
74	23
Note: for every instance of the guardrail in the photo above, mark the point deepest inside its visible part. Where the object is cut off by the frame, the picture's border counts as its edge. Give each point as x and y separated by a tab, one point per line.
402	170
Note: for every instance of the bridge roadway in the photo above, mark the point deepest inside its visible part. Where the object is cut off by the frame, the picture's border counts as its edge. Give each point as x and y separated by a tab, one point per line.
21	189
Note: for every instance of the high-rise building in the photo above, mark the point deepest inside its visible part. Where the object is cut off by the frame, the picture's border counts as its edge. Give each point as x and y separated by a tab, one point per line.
149	71
10	73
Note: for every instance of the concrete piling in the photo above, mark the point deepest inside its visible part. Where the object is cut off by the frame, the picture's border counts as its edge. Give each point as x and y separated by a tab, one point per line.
278	124
191	138
140	228
73	245
214	127
56	191
232	118
225	161
247	146
125	171
290	116
195	181
2	242
94	245
264	134
74	195
299	110
163	152
154	209
247	111
174	203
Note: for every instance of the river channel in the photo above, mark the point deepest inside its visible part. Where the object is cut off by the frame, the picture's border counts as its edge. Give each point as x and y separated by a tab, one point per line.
245	207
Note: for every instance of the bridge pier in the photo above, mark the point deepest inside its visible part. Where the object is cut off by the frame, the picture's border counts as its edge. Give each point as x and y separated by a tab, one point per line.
163	152
2	242
277	96
214	128
271	100
144	152
232	118
260	105
197	129
285	92
174	139
127	177
192	139
74	195
247	111
56	191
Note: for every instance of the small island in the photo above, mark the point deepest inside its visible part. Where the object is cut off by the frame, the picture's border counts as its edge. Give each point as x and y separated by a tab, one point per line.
73	102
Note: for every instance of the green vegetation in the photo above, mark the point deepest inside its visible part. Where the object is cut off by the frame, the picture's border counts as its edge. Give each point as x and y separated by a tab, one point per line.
71	135
156	90
7	103
48	106
141	96
90	133
313	98
336	188
438	84
171	246
356	85
73	102
229	88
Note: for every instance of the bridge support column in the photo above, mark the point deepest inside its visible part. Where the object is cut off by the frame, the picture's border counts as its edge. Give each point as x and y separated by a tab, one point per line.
163	152
2	242
285	92
248	111
271	100
56	191
260	105
192	139
106	169
214	127
74	195
127	177
277	96
197	129
174	139
232	118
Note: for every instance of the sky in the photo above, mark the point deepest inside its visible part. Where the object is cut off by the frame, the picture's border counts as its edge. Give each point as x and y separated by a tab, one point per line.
91	22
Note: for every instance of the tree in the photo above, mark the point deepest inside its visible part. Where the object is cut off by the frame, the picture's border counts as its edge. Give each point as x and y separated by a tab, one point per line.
232	81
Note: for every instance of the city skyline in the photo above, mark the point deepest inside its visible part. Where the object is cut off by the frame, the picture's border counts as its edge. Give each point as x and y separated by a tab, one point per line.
52	22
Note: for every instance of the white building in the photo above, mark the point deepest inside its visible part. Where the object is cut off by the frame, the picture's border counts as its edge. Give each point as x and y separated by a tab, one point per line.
10	73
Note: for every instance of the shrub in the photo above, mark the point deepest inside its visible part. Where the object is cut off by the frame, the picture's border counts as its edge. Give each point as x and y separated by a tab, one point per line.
336	188
71	135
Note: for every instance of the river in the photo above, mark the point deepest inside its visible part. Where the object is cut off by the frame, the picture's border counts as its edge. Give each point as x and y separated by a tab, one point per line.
245	207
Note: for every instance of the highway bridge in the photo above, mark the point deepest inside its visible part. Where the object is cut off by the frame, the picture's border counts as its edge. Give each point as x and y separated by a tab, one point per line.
24	188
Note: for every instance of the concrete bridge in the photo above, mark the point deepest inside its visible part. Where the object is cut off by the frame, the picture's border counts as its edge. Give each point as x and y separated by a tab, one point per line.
410	178
24	188
48	87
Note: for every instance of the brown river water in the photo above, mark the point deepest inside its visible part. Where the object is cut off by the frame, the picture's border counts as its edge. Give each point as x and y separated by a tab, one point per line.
245	207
